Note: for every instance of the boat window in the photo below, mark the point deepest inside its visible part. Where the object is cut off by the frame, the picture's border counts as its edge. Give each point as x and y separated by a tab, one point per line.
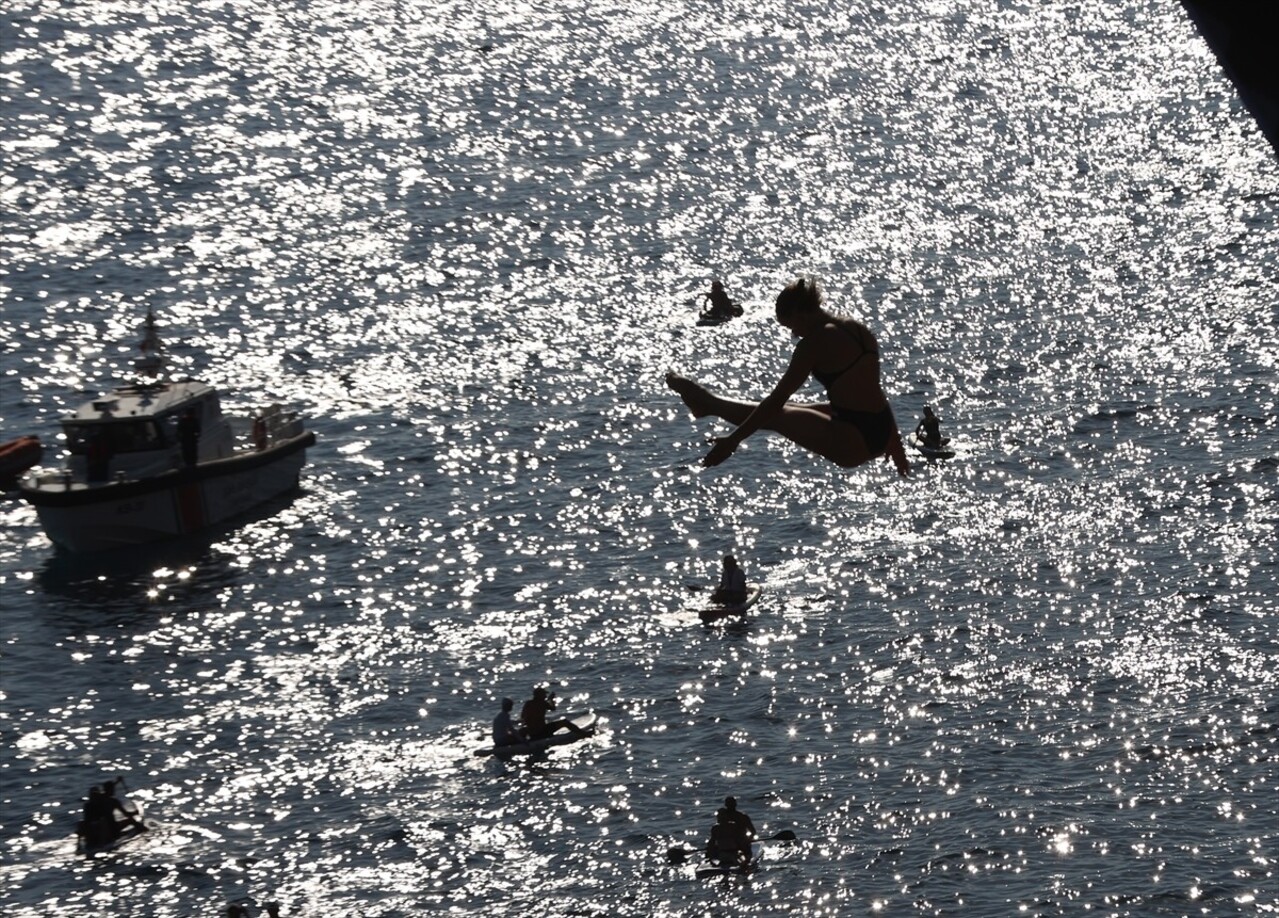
118	437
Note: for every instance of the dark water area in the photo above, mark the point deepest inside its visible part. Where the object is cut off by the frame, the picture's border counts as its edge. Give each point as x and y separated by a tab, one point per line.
1040	678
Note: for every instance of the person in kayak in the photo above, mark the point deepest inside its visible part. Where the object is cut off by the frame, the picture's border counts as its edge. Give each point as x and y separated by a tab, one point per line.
730	806
855	426
928	430
533	717
721	307
504	732
732	584
727	845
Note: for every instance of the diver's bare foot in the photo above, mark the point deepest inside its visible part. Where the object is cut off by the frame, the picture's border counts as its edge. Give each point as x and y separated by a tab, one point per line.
694	396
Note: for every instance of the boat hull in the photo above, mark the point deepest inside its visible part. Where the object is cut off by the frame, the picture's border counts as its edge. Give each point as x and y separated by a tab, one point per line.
174	503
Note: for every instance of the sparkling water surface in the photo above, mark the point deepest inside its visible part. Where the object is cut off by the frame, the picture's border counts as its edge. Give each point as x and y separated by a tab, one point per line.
467	241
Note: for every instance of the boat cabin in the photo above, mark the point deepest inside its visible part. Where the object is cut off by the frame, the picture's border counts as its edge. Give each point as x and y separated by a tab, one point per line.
134	431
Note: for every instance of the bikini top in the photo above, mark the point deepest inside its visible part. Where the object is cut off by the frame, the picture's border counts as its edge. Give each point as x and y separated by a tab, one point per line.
829	379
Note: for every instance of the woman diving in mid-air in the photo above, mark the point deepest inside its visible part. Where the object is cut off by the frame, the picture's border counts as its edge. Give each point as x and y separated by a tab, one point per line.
855	426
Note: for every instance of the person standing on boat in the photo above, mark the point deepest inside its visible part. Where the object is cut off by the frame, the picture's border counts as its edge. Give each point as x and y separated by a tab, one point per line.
259	432
928	430
189	437
97	457
727	845
730	806
533	716
855	426
504	732
732	584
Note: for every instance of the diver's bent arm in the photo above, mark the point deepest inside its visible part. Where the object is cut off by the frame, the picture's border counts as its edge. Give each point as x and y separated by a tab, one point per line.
801	365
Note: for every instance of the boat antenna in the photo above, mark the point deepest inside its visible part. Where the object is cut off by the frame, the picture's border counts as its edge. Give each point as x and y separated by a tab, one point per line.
151	363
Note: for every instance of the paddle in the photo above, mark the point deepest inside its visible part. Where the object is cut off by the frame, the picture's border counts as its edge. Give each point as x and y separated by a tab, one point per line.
680	855
129	807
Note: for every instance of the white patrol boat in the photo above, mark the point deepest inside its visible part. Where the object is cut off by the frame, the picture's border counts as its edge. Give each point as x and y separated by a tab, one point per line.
158	459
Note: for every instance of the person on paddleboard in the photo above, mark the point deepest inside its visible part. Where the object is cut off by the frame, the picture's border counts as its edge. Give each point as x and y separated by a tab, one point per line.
732	584
727	845
855	426
928	430
730	806
504	731
533	716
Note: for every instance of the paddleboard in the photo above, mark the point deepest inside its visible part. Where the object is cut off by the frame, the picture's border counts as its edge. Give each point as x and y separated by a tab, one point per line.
934	452
585	720
716	611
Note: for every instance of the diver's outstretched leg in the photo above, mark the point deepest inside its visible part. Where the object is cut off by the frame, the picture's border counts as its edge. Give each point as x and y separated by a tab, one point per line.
702	402
809	426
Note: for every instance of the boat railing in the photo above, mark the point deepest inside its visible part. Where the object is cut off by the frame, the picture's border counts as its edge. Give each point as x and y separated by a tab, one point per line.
120	468
48	479
273	424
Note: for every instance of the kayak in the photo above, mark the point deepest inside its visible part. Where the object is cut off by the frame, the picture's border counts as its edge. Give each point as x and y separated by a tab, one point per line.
718	610
734	870
585	720
941	451
679	856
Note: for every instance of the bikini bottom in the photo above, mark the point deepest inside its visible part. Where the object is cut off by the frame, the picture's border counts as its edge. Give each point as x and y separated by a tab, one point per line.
876	426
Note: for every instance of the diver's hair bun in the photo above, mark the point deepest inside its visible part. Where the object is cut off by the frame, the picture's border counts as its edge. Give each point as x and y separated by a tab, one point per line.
801	294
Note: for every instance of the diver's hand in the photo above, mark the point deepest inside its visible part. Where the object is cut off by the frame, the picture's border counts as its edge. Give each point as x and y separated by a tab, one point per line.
723	448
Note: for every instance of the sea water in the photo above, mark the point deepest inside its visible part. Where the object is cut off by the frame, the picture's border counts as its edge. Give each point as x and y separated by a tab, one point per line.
468	242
